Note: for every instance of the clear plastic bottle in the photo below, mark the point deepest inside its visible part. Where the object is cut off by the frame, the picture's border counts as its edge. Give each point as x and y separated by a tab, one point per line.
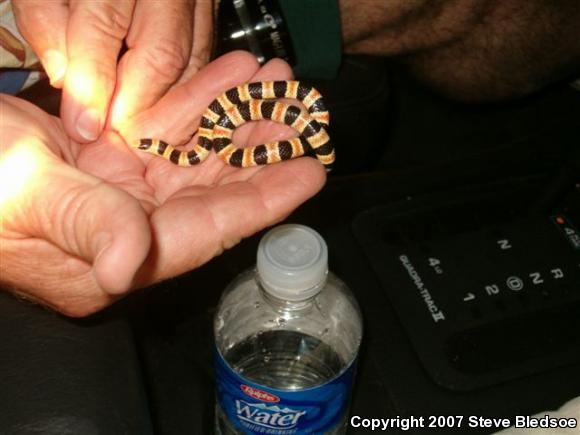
287	336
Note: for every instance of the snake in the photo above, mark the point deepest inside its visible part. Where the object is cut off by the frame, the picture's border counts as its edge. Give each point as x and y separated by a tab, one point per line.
254	102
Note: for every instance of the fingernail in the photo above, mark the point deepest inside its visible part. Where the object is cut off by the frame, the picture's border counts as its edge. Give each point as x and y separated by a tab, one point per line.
89	124
55	64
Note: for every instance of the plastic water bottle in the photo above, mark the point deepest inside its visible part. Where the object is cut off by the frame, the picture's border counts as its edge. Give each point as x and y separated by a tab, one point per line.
287	336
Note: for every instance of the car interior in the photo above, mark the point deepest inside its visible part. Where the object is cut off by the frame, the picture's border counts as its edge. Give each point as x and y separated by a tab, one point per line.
457	227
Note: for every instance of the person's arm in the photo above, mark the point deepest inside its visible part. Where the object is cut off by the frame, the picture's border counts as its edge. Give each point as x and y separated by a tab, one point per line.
469	49
401	27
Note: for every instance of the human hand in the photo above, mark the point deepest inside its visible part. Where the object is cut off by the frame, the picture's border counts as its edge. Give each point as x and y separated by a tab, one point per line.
79	41
83	224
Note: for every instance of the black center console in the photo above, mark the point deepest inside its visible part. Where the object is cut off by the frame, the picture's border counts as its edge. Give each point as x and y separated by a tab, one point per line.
486	287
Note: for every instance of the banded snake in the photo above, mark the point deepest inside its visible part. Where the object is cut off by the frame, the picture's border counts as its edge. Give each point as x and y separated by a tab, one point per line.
253	102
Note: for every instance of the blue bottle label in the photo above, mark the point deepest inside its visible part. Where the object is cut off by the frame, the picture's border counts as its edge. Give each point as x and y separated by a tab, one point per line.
256	409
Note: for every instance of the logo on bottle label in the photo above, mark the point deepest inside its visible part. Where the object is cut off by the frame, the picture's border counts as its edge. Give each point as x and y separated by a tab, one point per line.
259	394
257	409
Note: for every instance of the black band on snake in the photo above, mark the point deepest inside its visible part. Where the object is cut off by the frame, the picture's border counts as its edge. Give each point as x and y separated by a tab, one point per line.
253	102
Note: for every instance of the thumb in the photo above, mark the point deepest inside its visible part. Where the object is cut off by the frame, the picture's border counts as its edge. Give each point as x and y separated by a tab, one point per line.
90	221
95	34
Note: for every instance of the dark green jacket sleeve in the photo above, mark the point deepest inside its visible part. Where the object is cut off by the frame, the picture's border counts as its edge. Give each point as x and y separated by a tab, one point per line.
314	27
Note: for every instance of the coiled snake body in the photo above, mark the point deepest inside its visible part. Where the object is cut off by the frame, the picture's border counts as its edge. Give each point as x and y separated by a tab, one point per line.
253	102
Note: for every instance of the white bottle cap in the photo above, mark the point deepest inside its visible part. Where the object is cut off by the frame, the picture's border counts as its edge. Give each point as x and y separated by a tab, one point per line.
292	262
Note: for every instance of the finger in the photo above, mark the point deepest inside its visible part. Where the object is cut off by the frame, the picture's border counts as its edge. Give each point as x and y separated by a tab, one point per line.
174	118
163	176
200	222
43	24
159	43
95	33
203	28
79	215
203	32
261	132
255	133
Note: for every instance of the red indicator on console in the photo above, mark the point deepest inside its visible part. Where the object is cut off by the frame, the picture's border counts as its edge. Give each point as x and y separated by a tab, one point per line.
560	220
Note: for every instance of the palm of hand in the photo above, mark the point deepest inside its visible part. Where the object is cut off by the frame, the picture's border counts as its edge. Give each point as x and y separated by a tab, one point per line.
195	213
164	220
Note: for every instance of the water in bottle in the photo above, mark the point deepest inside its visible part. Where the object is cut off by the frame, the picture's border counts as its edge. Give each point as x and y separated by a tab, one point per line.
287	336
